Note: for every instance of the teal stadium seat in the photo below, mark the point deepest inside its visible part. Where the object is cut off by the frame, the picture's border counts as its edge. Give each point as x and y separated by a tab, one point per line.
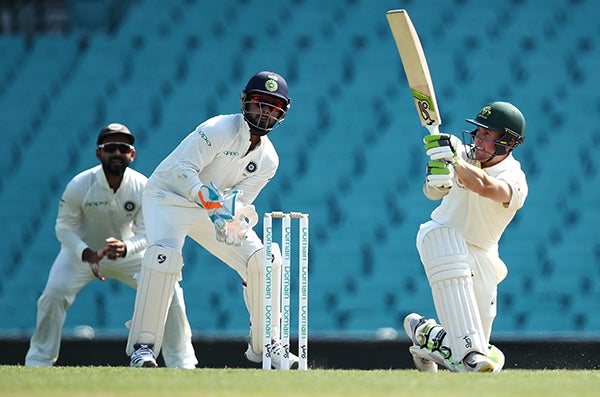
350	148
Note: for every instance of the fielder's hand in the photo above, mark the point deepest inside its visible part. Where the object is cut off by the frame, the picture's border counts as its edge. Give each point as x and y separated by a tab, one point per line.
93	258
442	147
439	175
115	248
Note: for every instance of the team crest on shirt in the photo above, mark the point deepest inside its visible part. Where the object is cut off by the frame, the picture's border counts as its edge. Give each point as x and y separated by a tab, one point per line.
251	167
129	206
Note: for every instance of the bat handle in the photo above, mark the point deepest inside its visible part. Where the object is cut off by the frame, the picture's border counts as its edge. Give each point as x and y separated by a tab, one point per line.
433	129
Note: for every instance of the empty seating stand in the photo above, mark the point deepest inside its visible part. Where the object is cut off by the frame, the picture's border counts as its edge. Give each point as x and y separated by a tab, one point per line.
350	148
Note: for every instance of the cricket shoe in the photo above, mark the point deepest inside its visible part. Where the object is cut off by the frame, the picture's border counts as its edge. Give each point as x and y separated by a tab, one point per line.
477	362
411	323
277	354
143	357
428	338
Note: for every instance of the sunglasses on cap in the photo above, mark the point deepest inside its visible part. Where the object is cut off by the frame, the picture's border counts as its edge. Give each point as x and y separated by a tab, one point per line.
111	147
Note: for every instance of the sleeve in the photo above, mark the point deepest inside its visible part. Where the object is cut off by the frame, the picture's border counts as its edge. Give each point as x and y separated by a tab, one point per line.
69	217
187	161
519	190
434	193
138	242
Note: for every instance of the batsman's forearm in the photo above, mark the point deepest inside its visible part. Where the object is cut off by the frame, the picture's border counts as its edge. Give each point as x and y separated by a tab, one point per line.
478	181
71	240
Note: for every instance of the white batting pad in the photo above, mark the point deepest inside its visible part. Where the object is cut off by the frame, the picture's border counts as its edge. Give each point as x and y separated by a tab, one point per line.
445	258
253	296
161	269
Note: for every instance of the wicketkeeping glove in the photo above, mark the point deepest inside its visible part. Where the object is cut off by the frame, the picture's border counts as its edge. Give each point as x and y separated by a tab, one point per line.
439	175
442	147
220	209
244	220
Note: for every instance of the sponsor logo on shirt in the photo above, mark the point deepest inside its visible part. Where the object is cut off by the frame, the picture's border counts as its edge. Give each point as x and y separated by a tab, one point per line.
230	153
129	206
204	137
96	203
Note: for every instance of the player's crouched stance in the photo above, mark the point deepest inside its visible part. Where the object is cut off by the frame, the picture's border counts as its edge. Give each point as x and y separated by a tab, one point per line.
204	190
481	187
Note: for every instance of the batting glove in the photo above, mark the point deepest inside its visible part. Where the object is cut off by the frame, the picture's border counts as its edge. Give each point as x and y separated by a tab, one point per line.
442	147
439	175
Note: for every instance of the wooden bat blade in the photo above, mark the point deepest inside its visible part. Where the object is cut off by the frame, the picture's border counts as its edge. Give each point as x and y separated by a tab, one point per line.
416	69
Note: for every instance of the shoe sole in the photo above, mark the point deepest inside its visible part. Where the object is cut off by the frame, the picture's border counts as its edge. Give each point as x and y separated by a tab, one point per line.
421	363
145	364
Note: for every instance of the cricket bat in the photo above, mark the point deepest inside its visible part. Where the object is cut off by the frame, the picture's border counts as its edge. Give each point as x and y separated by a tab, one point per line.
416	69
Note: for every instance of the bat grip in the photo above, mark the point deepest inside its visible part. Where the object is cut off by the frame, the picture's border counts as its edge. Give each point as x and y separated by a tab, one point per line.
433	129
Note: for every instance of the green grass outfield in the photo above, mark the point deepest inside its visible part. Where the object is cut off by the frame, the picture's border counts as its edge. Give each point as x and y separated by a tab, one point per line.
16	381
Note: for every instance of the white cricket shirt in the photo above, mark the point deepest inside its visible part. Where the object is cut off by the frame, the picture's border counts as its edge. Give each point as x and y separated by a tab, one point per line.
216	152
89	212
483	220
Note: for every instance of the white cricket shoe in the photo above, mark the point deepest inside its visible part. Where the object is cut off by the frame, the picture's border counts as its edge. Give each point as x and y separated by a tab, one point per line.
411	323
277	352
143	356
477	362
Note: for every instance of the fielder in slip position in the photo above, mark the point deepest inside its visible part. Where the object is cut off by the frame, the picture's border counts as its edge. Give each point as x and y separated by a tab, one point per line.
481	186
101	230
205	189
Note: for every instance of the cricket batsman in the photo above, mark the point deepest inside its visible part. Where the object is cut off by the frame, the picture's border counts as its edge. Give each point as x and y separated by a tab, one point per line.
481	187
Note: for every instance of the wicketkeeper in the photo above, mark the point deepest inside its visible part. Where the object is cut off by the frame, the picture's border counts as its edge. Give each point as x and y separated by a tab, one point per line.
481	186
205	189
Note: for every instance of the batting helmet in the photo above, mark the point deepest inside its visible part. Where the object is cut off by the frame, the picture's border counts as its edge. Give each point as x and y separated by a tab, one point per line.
269	84
504	118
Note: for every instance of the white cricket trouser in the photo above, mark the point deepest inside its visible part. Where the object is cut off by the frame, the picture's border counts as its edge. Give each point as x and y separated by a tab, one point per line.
167	225
488	270
68	276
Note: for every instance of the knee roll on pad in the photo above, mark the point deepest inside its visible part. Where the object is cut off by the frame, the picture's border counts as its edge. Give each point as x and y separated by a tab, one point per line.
161	269
445	258
254	291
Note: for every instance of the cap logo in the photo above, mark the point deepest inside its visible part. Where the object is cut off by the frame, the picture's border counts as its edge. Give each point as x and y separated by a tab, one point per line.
271	84
485	112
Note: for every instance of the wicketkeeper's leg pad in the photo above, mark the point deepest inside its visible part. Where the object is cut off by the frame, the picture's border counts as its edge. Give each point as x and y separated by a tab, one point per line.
161	269
254	292
445	258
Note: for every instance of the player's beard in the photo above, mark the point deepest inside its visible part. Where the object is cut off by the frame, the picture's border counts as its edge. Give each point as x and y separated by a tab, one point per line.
115	165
